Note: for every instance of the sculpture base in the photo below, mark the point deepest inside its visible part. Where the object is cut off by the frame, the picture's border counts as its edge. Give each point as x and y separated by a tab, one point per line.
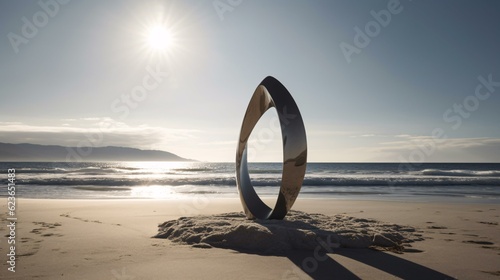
299	231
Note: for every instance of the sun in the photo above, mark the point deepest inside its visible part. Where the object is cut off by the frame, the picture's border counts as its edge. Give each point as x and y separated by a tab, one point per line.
159	38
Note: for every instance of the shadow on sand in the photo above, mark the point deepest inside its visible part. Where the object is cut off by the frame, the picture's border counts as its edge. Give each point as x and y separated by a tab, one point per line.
310	241
318	265
328	268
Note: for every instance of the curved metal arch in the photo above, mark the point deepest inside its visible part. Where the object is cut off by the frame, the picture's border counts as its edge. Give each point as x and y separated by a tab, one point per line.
271	93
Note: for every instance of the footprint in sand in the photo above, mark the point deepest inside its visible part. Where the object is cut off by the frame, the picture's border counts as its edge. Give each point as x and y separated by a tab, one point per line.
45	227
495	273
488	223
31	245
80	219
481	242
436	227
491	247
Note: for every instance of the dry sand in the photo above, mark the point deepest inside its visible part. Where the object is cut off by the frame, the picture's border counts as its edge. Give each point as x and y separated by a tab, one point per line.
112	239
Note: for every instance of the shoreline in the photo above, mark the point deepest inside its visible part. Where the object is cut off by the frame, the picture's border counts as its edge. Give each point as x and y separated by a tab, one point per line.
110	238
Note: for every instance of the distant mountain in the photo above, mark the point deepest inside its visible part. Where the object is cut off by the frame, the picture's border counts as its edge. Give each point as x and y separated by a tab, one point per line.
32	152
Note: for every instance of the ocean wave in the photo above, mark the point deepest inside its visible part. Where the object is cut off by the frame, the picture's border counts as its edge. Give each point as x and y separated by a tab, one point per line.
127	182
80	171
265	171
258	182
102	189
400	181
192	169
461	173
42	170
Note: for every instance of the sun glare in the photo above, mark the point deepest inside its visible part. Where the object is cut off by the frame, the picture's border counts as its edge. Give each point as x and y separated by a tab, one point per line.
159	38
157	35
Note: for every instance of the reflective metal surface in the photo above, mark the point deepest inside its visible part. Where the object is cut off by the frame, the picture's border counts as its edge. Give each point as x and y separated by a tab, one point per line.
271	93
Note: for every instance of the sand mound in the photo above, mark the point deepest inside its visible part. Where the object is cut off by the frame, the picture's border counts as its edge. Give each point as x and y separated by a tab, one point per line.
299	231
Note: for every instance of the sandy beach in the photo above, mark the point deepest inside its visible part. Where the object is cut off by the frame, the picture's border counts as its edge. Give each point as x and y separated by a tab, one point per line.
112	239
129	131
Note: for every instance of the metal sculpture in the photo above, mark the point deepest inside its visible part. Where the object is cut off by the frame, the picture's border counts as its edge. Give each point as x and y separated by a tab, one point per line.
271	93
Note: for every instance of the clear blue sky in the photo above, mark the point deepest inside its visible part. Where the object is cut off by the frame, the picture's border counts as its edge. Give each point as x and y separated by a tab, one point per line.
75	73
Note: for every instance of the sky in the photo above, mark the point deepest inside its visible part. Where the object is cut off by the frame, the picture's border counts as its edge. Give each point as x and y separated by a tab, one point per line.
375	81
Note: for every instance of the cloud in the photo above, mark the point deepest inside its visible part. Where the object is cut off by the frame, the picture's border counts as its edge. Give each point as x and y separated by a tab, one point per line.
370	135
326	132
372	147
231	143
96	132
428	149
90	119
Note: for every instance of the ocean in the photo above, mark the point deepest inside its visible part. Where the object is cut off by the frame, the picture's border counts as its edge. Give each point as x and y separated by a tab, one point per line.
461	182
